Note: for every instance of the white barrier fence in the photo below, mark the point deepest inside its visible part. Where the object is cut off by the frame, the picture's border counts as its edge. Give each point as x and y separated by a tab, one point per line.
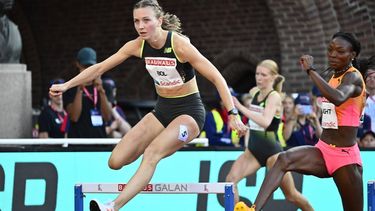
158	188
65	142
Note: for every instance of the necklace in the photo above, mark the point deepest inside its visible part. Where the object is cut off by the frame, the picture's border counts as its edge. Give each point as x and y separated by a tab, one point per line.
339	72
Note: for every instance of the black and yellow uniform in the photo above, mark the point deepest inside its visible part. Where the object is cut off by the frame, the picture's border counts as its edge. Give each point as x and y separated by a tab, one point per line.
263	142
168	71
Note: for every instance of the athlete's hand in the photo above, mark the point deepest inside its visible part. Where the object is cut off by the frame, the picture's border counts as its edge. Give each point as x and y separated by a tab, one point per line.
57	89
237	125
306	62
235	122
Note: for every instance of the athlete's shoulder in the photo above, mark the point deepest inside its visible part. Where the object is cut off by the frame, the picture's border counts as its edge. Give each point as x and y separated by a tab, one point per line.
133	47
353	76
273	98
253	91
274	95
181	46
180	37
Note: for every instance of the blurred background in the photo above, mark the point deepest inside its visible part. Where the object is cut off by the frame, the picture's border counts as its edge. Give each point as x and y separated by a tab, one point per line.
234	35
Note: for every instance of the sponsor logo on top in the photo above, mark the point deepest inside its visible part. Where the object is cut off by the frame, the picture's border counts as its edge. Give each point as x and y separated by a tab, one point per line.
161	62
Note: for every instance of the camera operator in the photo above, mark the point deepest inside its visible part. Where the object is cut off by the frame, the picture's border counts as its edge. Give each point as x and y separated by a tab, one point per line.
303	127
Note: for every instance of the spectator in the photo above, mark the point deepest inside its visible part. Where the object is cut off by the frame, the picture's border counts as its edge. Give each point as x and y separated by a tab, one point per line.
216	128
364	127
87	105
317	99
367	140
53	120
246	101
288	111
303	126
117	127
370	89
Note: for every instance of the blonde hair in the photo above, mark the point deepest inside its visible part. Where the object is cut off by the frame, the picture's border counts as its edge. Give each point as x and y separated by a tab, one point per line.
170	21
272	65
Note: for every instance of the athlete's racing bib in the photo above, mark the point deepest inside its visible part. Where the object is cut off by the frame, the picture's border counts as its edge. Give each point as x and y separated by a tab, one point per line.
329	118
163	71
258	110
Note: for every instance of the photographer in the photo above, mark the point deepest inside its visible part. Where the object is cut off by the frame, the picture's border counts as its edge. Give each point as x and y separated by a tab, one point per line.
303	127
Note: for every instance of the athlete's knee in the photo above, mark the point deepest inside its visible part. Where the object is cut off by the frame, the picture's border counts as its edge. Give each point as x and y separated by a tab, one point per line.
116	163
283	161
152	156
291	196
230	178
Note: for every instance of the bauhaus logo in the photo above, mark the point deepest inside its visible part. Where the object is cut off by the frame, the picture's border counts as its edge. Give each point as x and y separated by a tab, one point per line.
160	62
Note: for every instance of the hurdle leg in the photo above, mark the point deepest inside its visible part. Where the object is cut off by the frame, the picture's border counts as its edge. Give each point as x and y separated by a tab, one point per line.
370	196
229	198
78	198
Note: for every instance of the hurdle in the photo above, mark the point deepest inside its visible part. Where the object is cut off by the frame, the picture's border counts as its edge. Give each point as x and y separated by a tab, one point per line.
371	195
157	188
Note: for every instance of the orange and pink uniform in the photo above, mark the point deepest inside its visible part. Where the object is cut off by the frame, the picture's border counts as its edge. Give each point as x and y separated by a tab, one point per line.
347	114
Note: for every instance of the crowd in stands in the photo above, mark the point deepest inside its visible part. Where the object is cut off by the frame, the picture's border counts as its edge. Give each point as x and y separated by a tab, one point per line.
91	111
88	111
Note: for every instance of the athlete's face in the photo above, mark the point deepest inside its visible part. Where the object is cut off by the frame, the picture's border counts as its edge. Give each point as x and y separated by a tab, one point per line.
264	78
340	53
146	22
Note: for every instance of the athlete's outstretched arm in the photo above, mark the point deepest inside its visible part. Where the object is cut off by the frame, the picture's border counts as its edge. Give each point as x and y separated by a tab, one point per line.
188	53
131	48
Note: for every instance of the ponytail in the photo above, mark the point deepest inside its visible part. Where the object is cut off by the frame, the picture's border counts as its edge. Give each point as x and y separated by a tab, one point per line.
278	83
171	23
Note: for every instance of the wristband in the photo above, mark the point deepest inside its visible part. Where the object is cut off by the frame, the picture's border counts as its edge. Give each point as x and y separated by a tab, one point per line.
234	111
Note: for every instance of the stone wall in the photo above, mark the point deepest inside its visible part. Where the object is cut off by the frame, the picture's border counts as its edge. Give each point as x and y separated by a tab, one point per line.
235	35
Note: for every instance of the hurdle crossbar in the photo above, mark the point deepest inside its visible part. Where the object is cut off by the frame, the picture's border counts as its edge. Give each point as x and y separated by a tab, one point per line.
157	188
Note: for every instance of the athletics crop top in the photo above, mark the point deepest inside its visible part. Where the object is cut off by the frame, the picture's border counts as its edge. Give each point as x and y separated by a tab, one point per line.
347	114
164	66
258	107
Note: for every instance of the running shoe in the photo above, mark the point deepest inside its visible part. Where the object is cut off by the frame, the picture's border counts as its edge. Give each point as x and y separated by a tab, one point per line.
241	206
95	205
